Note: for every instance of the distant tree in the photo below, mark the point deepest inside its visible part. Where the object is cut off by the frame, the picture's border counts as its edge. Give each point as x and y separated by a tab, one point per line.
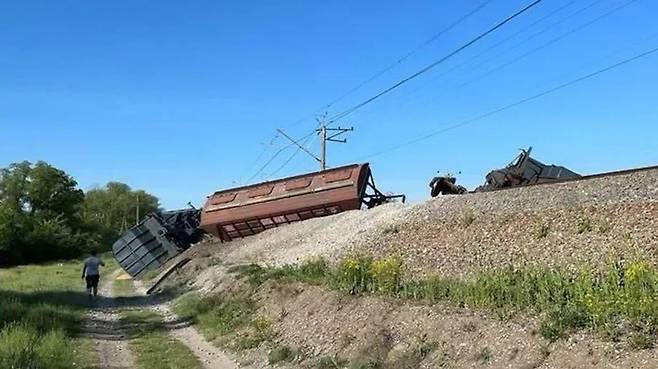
115	205
40	214
40	190
44	216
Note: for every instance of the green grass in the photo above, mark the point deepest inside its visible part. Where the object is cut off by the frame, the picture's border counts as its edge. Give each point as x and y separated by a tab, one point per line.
150	275
152	346
619	301
123	287
41	311
230	321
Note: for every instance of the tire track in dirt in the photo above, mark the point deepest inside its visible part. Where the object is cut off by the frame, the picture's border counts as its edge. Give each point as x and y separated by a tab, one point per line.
210	356
103	327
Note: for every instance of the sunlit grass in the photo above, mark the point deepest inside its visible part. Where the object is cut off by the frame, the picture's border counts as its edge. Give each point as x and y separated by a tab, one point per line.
152	346
41	311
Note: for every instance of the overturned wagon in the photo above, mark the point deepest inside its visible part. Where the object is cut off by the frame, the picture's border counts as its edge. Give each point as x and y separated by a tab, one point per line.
244	211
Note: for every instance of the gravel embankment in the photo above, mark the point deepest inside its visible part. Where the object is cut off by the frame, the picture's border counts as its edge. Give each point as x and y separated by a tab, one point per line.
568	224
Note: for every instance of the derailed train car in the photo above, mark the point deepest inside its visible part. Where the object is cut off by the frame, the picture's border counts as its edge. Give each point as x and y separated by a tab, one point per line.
245	211
523	171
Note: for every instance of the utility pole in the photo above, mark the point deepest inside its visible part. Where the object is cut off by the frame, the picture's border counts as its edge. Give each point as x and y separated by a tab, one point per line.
324	138
323	147
137	211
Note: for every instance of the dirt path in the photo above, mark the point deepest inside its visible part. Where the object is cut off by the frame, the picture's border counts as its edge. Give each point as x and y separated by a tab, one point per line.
210	356
104	329
111	342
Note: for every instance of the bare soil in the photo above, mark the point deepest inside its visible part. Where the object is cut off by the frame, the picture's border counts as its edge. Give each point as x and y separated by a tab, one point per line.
318	323
110	339
103	327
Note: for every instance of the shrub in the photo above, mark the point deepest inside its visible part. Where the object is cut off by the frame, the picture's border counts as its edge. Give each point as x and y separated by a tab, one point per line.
641	341
259	331
369	364
354	274
331	362
584	225
312	271
279	354
386	274
468	217
604	226
542	231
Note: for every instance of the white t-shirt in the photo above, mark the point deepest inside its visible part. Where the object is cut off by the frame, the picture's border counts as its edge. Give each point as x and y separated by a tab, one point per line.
92	266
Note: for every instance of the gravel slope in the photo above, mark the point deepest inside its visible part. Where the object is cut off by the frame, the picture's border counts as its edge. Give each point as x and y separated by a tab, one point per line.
568	224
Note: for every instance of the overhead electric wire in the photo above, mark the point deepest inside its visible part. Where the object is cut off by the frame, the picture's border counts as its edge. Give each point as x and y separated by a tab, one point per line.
368	80
539	33
514	104
276	154
295	153
502	41
260	156
538	48
434	64
549	43
406	56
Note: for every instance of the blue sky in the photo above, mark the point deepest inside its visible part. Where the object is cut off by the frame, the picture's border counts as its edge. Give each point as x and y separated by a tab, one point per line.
182	98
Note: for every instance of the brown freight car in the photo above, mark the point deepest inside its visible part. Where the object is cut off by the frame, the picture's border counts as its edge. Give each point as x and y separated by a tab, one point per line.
244	211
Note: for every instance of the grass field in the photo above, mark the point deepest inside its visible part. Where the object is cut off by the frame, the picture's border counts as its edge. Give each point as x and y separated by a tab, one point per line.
152	346
149	339
41	311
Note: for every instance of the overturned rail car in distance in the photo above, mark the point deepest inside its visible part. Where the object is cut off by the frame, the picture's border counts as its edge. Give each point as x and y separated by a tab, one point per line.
244	211
156	239
525	171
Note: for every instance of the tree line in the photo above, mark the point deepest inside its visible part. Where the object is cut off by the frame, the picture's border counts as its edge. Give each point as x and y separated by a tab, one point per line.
45	216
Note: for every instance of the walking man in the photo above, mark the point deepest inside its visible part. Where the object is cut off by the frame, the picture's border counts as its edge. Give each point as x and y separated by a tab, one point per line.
91	273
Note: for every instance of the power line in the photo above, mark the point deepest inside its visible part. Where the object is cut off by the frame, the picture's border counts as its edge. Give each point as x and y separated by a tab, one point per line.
434	64
274	156
514	104
539	33
548	43
295	153
406	56
538	48
365	82
299	146
260	156
415	91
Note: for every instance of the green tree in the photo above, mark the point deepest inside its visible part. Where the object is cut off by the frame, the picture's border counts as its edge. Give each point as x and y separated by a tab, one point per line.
115	205
40	189
44	216
40	214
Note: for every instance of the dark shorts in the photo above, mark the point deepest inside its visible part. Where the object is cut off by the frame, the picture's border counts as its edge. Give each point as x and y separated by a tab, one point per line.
92	281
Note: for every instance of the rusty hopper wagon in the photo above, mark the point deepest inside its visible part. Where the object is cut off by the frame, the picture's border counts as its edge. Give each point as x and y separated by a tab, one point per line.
245	211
